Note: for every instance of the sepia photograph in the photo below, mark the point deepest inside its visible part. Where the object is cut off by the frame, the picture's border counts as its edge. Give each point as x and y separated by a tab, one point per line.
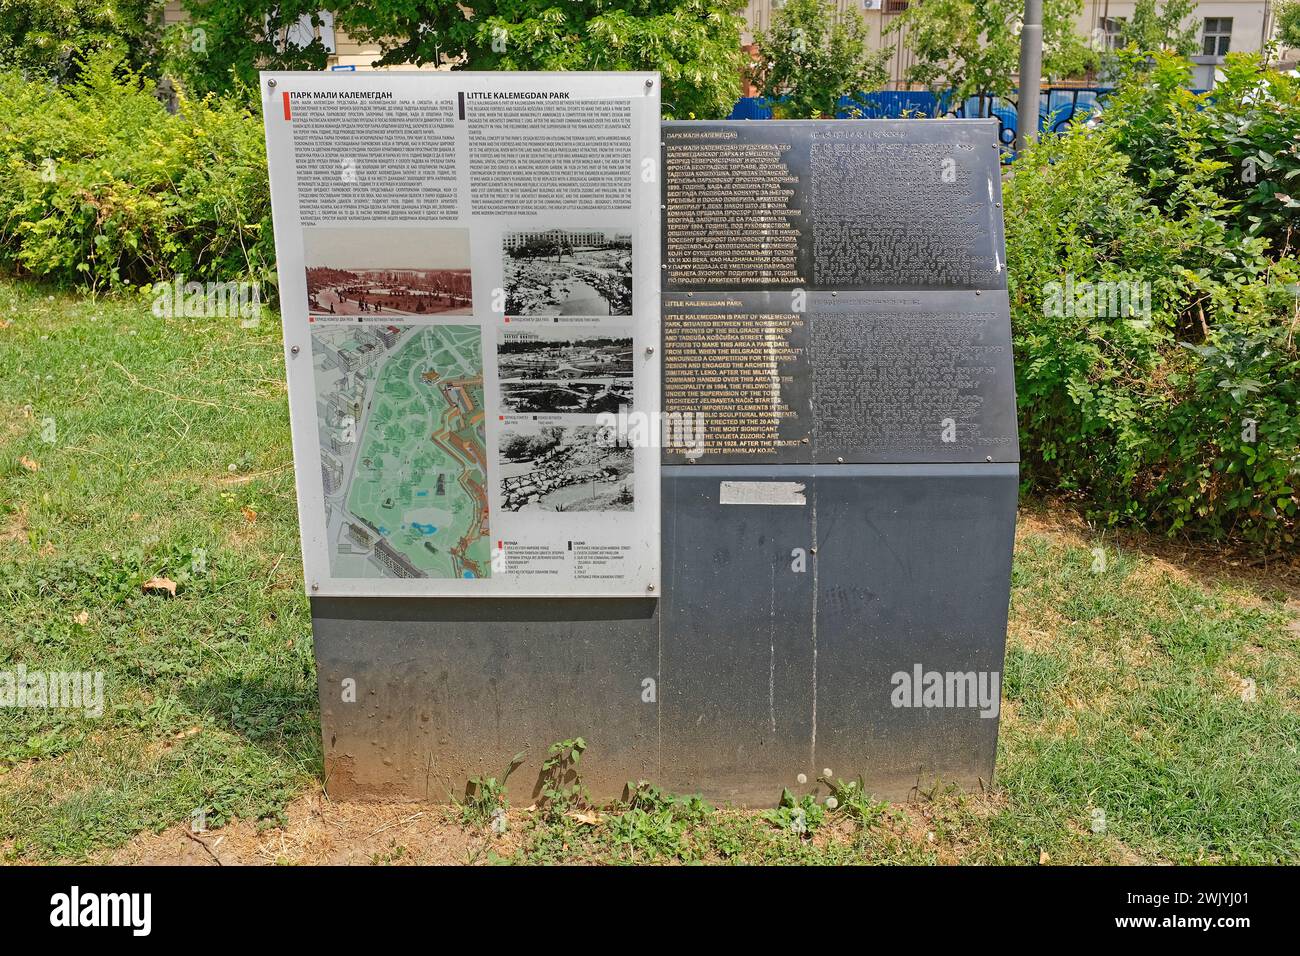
558	468
569	272
375	272
565	370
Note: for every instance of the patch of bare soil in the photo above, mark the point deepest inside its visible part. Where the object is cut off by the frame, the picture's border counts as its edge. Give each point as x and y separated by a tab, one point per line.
317	832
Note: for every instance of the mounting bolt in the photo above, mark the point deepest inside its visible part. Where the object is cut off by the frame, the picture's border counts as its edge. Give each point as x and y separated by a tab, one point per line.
271	83
315	586
649	587
295	350
649	350
988	458
649	83
839	460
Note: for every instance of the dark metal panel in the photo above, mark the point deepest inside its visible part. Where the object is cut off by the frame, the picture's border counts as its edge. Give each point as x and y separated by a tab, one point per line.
912	377
864	377
706	372
876	204
769	672
737	678
913	568
447	689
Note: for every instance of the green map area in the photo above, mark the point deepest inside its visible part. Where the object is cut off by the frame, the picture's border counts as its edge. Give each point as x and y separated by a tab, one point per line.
419	481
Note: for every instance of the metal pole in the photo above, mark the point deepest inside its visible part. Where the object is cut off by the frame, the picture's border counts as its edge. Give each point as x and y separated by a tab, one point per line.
1031	73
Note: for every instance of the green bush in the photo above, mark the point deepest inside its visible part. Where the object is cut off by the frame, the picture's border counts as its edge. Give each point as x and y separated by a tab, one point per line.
103	187
1184	415
51	38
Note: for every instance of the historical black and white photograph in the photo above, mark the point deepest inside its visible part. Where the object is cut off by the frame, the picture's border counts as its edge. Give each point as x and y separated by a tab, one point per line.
567	370
374	272
560	468
569	272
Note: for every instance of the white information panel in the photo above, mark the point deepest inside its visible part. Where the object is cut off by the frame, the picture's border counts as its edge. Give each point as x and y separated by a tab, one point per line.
469	279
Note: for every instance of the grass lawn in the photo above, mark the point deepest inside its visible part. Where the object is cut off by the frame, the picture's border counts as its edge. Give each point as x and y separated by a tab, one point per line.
1127	735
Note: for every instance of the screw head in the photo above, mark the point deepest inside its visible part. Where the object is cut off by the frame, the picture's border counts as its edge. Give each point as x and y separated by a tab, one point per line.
295	350
271	83
649	350
649	587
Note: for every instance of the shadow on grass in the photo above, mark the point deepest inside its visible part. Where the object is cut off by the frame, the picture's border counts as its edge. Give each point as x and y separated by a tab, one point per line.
274	713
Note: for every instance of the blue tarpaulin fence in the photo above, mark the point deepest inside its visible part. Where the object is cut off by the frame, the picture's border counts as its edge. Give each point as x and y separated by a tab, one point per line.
1057	107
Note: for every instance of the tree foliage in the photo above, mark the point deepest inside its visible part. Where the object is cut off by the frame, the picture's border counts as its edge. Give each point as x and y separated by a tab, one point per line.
1288	25
694	44
812	57
1156	27
50	38
972	47
226	42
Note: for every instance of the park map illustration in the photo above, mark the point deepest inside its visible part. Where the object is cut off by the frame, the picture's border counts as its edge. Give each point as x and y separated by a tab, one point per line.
403	456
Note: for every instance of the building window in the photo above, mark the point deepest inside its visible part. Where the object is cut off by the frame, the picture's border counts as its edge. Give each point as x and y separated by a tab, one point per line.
895	6
1217	36
1112	29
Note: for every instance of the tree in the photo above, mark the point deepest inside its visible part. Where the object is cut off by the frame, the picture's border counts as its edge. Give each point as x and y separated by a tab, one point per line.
695	44
226	42
1153	27
1288	25
51	38
972	47
812	58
